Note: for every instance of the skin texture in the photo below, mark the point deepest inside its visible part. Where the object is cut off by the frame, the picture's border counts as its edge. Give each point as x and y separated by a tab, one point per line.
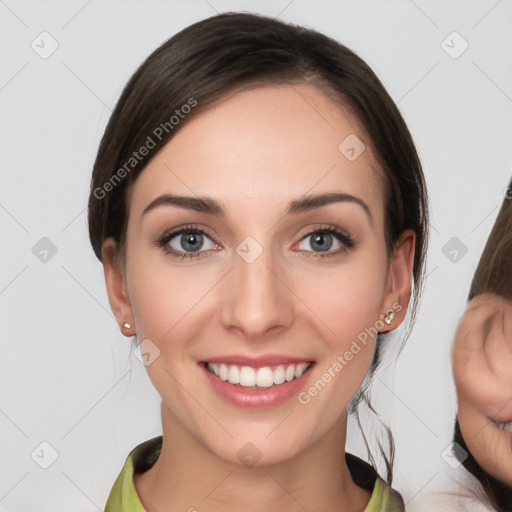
255	152
482	368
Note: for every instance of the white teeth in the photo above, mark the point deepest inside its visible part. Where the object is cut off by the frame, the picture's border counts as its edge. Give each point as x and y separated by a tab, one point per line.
263	377
247	376
223	372
506	426
234	374
300	369
279	377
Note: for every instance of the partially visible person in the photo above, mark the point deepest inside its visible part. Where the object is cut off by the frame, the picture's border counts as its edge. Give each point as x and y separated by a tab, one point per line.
482	370
482	367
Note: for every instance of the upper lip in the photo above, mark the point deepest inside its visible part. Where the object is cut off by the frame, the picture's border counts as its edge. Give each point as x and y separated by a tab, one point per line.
257	362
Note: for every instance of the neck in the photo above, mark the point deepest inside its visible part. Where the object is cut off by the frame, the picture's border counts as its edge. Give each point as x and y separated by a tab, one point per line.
189	477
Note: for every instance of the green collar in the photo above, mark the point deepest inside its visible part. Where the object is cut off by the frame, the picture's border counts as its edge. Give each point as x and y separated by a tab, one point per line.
123	496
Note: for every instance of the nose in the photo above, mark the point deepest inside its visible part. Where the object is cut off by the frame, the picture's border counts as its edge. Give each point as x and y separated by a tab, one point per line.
257	297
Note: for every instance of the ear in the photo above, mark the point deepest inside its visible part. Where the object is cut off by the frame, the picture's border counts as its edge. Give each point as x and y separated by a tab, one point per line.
116	286
397	292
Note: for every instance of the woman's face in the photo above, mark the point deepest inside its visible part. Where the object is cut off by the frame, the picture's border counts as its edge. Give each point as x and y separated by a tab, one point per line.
265	286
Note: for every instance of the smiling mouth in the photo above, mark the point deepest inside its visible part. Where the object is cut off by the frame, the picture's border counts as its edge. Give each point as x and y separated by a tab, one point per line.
505	426
258	378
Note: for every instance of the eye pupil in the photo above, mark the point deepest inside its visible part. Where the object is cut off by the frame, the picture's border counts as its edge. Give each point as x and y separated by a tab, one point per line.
319	240
191	241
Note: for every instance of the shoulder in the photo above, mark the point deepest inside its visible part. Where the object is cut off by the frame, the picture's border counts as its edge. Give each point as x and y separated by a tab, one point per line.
123	496
384	498
452	489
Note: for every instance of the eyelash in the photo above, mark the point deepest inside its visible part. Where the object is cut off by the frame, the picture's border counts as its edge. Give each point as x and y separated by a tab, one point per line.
345	239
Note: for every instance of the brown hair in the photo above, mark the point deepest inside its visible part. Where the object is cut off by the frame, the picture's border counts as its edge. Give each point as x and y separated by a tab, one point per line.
493	275
233	51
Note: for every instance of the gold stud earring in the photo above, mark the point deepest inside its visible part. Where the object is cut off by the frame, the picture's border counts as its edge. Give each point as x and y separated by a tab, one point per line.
388	317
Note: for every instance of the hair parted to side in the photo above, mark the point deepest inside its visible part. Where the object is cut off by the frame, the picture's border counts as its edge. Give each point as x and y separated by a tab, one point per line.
493	275
230	52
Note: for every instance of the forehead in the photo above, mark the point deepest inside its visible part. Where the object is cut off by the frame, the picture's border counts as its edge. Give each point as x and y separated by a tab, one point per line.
265	146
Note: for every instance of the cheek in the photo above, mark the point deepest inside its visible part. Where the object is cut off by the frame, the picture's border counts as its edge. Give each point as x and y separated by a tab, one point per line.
170	302
347	298
341	299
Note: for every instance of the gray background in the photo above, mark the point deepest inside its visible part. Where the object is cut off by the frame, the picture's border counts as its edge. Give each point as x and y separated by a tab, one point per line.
67	375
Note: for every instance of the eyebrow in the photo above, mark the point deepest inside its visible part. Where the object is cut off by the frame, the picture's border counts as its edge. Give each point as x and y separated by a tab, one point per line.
213	207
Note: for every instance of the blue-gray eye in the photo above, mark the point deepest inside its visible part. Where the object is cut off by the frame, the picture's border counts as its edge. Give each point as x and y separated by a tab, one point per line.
190	241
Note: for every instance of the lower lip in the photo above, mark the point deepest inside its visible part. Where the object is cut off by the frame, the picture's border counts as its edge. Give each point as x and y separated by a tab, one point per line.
261	398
